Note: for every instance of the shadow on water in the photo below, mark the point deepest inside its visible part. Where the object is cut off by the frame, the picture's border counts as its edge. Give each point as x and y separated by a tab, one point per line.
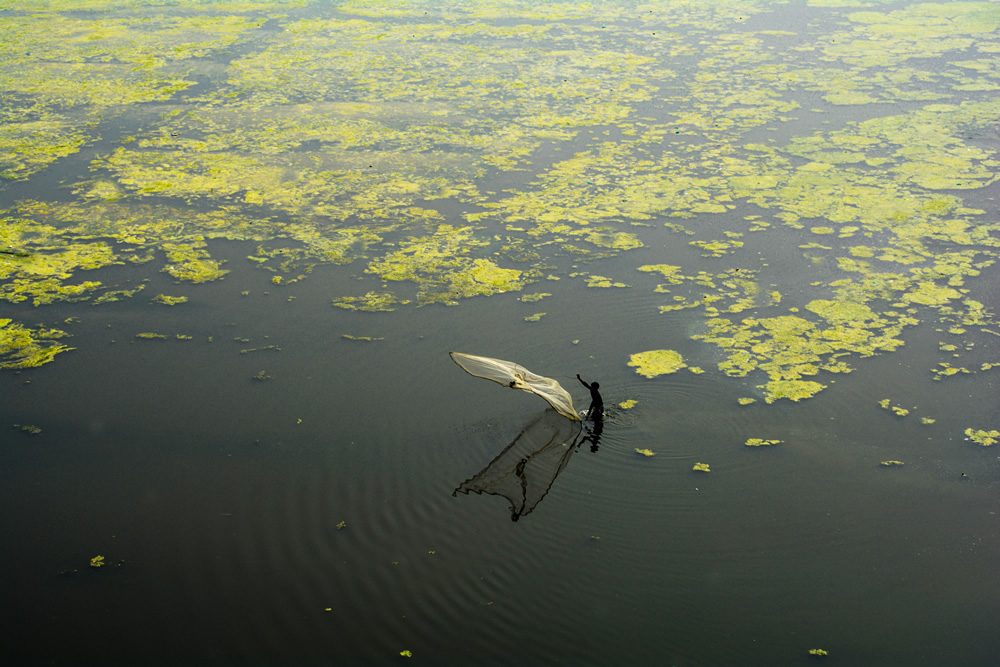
526	469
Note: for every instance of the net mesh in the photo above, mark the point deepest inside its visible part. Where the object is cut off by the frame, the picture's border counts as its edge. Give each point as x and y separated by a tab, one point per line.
525	470
517	376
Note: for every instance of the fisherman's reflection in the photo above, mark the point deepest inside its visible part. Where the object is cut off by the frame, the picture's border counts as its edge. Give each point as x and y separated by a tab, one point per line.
526	469
593	434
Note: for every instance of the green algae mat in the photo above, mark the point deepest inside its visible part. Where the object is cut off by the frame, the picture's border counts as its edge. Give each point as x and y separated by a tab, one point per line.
455	150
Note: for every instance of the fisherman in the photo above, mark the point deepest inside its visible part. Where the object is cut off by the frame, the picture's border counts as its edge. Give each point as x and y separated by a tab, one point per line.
596	402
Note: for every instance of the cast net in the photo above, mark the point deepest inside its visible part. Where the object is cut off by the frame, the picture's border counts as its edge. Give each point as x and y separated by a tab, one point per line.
517	376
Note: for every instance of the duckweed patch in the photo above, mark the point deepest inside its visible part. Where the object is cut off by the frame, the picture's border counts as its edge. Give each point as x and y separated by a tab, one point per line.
24	347
657	362
353	138
169	300
982	437
760	442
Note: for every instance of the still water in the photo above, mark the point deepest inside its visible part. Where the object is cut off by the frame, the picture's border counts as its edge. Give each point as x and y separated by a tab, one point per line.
293	471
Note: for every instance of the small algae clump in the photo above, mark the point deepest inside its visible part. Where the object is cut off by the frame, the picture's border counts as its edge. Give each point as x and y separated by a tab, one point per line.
97	561
984	438
629	404
793	390
406	654
818	652
150	335
169	300
534	318
645	452
701	467
21	347
892	463
371	302
902	412
657	362
746	400
760	442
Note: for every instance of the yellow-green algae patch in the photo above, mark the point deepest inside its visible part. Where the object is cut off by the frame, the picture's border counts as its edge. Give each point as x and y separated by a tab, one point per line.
169	300
701	467
629	404
338	134
900	411
892	463
793	390
657	362
645	452
23	347
983	437
760	442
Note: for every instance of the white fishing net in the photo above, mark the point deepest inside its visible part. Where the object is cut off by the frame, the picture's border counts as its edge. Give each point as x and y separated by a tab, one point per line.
517	376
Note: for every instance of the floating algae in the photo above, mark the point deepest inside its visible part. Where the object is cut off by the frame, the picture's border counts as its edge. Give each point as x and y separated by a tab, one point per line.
760	442
22	347
657	362
341	155
983	437
169	300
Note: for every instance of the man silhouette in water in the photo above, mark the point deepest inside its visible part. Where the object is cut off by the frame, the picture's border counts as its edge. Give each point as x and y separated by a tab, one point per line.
596	402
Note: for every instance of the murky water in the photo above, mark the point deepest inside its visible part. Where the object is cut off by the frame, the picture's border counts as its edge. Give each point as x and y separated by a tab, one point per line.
276	480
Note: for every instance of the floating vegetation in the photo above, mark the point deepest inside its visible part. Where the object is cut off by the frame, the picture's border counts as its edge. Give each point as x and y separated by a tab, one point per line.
368	339
817	652
268	348
261	376
760	442
169	300
629	404
657	362
151	335
29	429
793	390
361	155
534	318
984	438
701	467
645	452
892	463
22	347
97	561
902	412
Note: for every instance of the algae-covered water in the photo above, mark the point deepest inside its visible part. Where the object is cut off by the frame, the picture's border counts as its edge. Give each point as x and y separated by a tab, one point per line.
239	239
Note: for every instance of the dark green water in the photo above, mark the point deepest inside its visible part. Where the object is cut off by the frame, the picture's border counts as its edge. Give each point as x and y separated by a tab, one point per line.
311	518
